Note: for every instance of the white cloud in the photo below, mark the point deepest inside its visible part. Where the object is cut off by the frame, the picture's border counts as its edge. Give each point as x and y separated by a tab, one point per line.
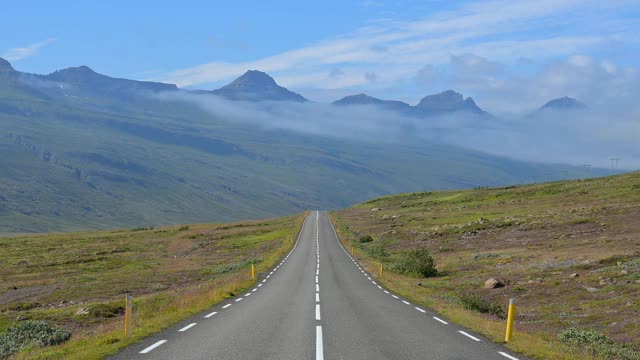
16	54
412	44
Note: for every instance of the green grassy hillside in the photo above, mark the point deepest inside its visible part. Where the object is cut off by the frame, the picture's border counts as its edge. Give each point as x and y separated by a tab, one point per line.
568	252
101	157
77	281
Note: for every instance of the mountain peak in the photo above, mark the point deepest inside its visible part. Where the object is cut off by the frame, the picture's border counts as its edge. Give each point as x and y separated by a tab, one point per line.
564	103
256	85
5	66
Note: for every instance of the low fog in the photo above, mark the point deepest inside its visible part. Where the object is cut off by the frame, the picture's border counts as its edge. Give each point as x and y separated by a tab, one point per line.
591	136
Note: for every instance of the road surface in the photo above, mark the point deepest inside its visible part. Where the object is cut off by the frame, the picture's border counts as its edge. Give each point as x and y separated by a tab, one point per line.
316	304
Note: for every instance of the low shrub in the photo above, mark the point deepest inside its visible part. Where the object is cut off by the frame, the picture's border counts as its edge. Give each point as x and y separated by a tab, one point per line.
365	239
106	310
30	333
416	262
183	228
378	251
475	302
594	343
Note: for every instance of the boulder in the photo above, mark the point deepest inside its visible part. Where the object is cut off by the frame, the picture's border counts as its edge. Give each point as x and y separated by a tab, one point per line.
574	275
493	283
376	209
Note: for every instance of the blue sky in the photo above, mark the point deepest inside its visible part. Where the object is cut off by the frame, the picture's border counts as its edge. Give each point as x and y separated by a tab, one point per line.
325	50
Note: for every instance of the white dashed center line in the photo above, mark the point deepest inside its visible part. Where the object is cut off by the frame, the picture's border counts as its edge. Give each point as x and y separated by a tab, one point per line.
226	306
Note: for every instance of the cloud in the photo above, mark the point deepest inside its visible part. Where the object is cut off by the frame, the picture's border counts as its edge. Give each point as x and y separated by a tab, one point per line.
401	48
371	77
16	54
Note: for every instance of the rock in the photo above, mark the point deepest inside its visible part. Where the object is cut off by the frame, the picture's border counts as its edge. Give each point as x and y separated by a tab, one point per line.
376	209
82	311
624	272
395	216
574	275
493	283
590	289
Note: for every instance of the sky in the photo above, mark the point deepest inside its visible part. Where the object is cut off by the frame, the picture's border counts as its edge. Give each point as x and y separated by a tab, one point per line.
510	56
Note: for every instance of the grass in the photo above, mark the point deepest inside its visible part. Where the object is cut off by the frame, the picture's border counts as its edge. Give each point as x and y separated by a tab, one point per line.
533	238
77	281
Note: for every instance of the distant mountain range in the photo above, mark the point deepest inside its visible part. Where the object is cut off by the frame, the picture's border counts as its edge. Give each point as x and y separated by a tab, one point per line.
446	102
81	150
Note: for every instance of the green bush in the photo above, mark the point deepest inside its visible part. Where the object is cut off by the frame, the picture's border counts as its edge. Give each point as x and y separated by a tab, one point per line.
416	262
475	302
106	310
377	251
183	228
594	343
365	239
30	333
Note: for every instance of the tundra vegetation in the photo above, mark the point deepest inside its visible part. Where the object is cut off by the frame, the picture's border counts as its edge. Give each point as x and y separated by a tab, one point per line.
568	252
62	295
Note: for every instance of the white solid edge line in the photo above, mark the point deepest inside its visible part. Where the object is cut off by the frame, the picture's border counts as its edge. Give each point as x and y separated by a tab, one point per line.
422	311
226	306
148	349
317	311
210	315
440	320
188	327
507	355
468	335
319	346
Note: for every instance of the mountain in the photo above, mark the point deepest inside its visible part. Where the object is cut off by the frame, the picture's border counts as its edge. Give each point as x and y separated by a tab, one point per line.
99	153
257	86
363	99
447	102
83	79
564	103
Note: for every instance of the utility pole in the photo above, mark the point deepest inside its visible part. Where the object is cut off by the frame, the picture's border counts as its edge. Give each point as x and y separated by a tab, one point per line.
614	165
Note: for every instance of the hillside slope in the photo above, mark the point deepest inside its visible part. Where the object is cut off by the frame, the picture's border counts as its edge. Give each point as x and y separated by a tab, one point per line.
569	252
94	152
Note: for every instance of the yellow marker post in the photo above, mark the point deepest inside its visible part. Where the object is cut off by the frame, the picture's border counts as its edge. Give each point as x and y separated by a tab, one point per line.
127	315
381	271
253	272
510	318
353	251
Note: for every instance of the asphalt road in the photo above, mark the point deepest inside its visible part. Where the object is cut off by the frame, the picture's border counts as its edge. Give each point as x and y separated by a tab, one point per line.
317	304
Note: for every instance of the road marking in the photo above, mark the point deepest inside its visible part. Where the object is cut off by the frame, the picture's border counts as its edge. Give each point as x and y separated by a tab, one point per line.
316	279
404	301
386	292
368	278
317	297
422	311
259	284
468	335
210	315
255	289
264	281
247	294
226	306
317	272
507	355
317	311
379	287
268	276
319	346
317	288
188	327
373	282
148	349
239	299
395	297
440	320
